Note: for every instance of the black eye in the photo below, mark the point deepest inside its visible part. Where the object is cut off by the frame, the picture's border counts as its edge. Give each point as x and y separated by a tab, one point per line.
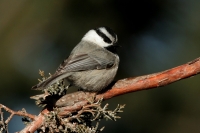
101	34
106	39
111	32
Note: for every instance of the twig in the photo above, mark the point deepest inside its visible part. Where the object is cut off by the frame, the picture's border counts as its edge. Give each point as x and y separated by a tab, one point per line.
12	113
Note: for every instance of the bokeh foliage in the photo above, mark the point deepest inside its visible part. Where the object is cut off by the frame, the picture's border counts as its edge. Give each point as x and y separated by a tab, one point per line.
154	35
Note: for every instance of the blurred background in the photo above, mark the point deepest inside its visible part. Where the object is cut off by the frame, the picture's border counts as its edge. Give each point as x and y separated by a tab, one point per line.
155	35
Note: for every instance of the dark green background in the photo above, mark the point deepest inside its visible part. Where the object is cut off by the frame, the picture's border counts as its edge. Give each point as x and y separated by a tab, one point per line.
155	35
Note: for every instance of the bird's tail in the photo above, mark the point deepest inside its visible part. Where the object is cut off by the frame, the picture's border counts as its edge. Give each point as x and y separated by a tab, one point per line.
53	79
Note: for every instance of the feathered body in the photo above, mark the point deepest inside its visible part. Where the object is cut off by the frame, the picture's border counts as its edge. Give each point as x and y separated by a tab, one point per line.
90	65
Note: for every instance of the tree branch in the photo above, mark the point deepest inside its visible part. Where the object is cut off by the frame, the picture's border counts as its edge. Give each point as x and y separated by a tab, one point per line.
31	128
136	84
75	101
153	80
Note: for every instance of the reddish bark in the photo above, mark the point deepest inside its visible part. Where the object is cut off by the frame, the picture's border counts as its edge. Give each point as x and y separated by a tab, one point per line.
153	80
75	101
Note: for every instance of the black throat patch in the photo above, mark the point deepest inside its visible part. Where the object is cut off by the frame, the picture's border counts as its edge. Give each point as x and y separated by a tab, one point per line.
113	48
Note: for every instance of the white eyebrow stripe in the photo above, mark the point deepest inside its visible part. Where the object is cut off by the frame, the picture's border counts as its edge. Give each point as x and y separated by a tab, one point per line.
93	37
103	30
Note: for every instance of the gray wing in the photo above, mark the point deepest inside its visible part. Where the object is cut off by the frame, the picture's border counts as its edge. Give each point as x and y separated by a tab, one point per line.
81	62
89	61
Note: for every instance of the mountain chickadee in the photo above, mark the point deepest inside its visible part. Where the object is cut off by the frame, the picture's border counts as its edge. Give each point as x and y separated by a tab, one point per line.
92	64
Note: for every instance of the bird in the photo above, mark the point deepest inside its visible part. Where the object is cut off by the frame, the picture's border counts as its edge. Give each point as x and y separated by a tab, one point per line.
91	65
